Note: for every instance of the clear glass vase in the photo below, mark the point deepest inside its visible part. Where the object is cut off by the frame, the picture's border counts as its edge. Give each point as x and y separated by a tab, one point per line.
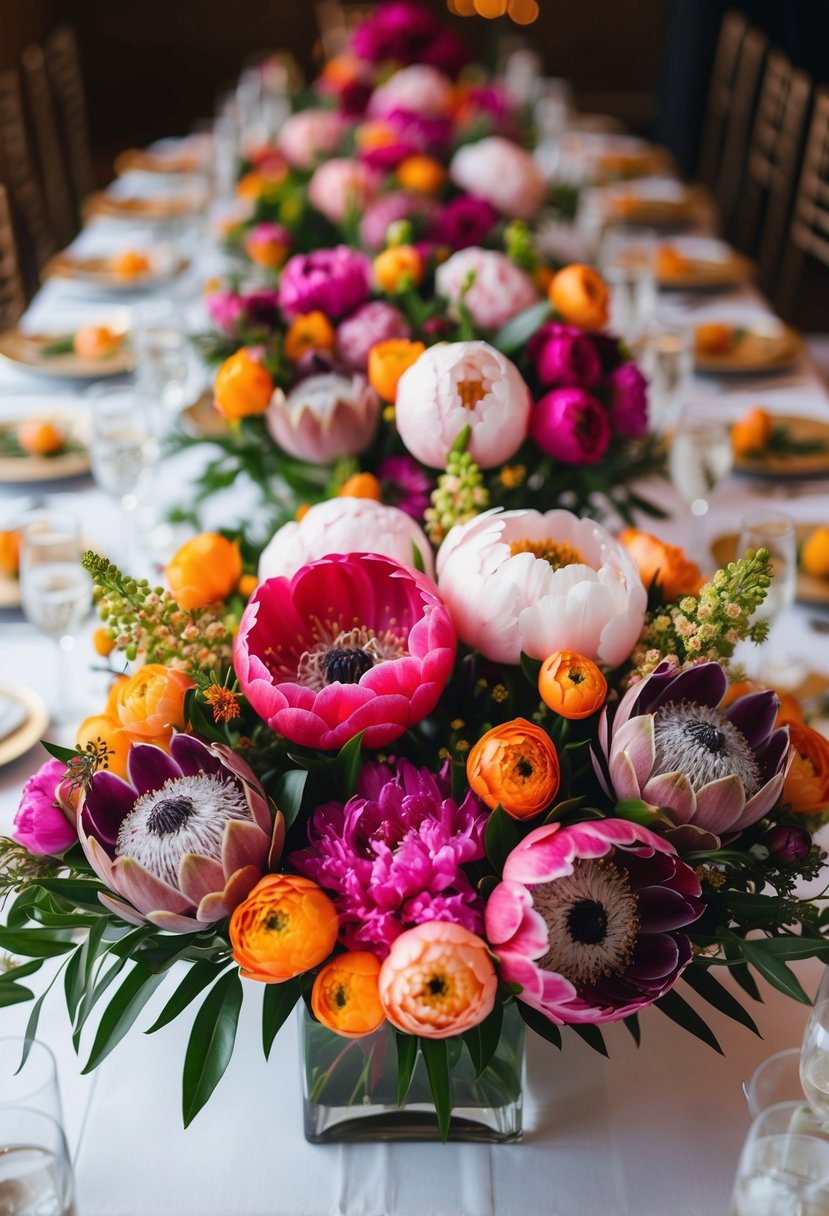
350	1088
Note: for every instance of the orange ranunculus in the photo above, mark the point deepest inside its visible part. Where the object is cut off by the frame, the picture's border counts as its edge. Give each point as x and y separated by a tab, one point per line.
374	134
423	174
286	925
103	643
398	268
580	296
205	570
103	736
654	558
96	342
752	432
671	264
346	995
387	361
247	585
265	252
40	438
789	710
362	485
253	185
308	331
814	556
517	766
10	553
151	702
571	685
543	277
243	386
714	338
131	264
807	785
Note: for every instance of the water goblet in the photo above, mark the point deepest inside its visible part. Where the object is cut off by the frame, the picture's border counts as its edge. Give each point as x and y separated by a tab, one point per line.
774	531
814	1053
32	1082
35	1170
784	1165
162	359
628	266
667	361
699	457
124	451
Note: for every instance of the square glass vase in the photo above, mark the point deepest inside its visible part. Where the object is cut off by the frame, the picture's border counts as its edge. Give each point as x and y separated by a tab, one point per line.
350	1088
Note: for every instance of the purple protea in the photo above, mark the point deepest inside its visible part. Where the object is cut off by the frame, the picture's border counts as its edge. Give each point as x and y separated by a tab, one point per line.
392	856
464	221
334	281
375	322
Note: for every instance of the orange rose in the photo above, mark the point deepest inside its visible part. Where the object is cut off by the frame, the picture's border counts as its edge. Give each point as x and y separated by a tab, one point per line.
10	553
752	432
130	264
677	574
714	338
204	571
150	704
40	438
362	485
397	269
814	556
346	995
517	766
104	737
422	174
253	185
387	361
571	685
580	296
268	253
308	331
96	342
807	785
286	925
243	387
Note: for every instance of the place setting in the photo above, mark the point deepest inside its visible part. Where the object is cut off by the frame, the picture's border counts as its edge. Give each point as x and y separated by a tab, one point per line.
92	351
125	271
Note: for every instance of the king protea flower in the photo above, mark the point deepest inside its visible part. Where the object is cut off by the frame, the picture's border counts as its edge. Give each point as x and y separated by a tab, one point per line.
184	840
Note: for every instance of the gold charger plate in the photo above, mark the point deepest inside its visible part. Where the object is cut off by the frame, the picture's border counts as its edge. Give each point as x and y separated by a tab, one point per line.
705	273
776	465
657	212
26	351
153	162
756	351
808	589
30	732
650	162
202	420
110	206
98	272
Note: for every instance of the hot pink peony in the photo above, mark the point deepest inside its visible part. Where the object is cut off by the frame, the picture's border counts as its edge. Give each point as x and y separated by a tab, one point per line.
41	824
499	291
564	355
571	426
419	89
334	281
464	221
521	581
461	384
309	135
628	400
351	643
503	173
324	417
341	187
375	322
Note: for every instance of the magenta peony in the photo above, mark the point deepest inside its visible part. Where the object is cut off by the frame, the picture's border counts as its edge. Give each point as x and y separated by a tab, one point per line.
374	322
334	281
226	309
407	32
324	417
503	173
41	824
499	290
626	388
564	355
571	426
340	187
464	221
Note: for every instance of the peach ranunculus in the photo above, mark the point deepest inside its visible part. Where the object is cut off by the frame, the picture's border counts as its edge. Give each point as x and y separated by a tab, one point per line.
40	436
752	432
10	553
95	342
423	174
455	385
580	295
346	995
656	559
131	264
516	766
387	361
342	186
243	387
571	685
437	981
499	289
205	570
150	703
324	417
807	784
308	331
286	926
501	172
814	555
714	338
361	485
309	135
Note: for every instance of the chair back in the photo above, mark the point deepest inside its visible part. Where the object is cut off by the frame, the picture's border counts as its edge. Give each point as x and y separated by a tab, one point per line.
63	66
12	294
17	172
738	126
50	159
733	30
802	295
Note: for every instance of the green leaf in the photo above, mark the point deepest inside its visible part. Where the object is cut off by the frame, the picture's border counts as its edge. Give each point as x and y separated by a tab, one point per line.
531	668
592	1036
73	981
64	754
198	977
436	1057
482	1040
711	990
637	811
792	947
406	1060
417	559
14	994
35	943
288	793
19	973
773	969
211	1044
122	1011
348	763
93	993
541	1025
277	1002
521	328
632	1026
678	1010
501	836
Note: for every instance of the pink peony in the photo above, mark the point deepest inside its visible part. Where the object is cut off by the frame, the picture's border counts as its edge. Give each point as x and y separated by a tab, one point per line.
226	309
324	417
405	32
627	391
309	135
40	824
345	525
501	172
525	581
375	322
340	187
419	89
564	355
499	291
377	662
334	281
393	855
571	426
387	210
461	384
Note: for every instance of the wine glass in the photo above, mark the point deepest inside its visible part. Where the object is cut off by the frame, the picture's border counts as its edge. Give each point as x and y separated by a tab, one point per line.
699	457
784	1165
628	266
814	1054
33	1084
775	531
667	361
35	1170
55	590
124	451
162	357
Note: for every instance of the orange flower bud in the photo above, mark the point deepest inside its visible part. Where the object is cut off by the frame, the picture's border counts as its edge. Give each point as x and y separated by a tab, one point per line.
150	703
103	643
362	485
96	342
654	558
286	925
580	296
807	785
752	432
387	361
253	185
243	386
204	571
40	438
423	174
517	766
714	338
104	737
814	556
571	685
301	511
398	268
268	253
10	553
130	264
308	331
247	585
346	995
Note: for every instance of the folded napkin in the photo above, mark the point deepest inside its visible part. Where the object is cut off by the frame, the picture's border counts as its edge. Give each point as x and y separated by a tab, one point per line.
13	714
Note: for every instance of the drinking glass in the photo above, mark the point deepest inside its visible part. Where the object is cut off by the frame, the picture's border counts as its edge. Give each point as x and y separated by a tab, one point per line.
55	591
814	1054
35	1171
784	1165
667	361
777	1079
124	451
699	457
162	360
775	531
33	1084
628	265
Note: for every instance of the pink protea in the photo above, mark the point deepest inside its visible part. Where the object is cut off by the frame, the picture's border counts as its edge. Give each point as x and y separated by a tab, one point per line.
351	643
588	919
393	855
499	289
324	417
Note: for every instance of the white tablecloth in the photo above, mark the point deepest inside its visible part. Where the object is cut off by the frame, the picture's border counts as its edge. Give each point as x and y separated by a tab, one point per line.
650	1132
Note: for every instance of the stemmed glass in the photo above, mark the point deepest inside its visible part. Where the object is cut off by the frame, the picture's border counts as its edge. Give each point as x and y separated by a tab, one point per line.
35	1171
784	1165
814	1054
775	531
699	458
162	357
55	590
628	265
124	450
667	361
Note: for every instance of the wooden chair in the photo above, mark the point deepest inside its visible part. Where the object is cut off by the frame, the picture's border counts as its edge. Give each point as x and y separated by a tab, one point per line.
63	67
12	294
53	172
17	172
733	30
764	206
802	295
738	125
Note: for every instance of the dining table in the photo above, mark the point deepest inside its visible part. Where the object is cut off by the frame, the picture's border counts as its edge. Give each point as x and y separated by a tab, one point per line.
652	1130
